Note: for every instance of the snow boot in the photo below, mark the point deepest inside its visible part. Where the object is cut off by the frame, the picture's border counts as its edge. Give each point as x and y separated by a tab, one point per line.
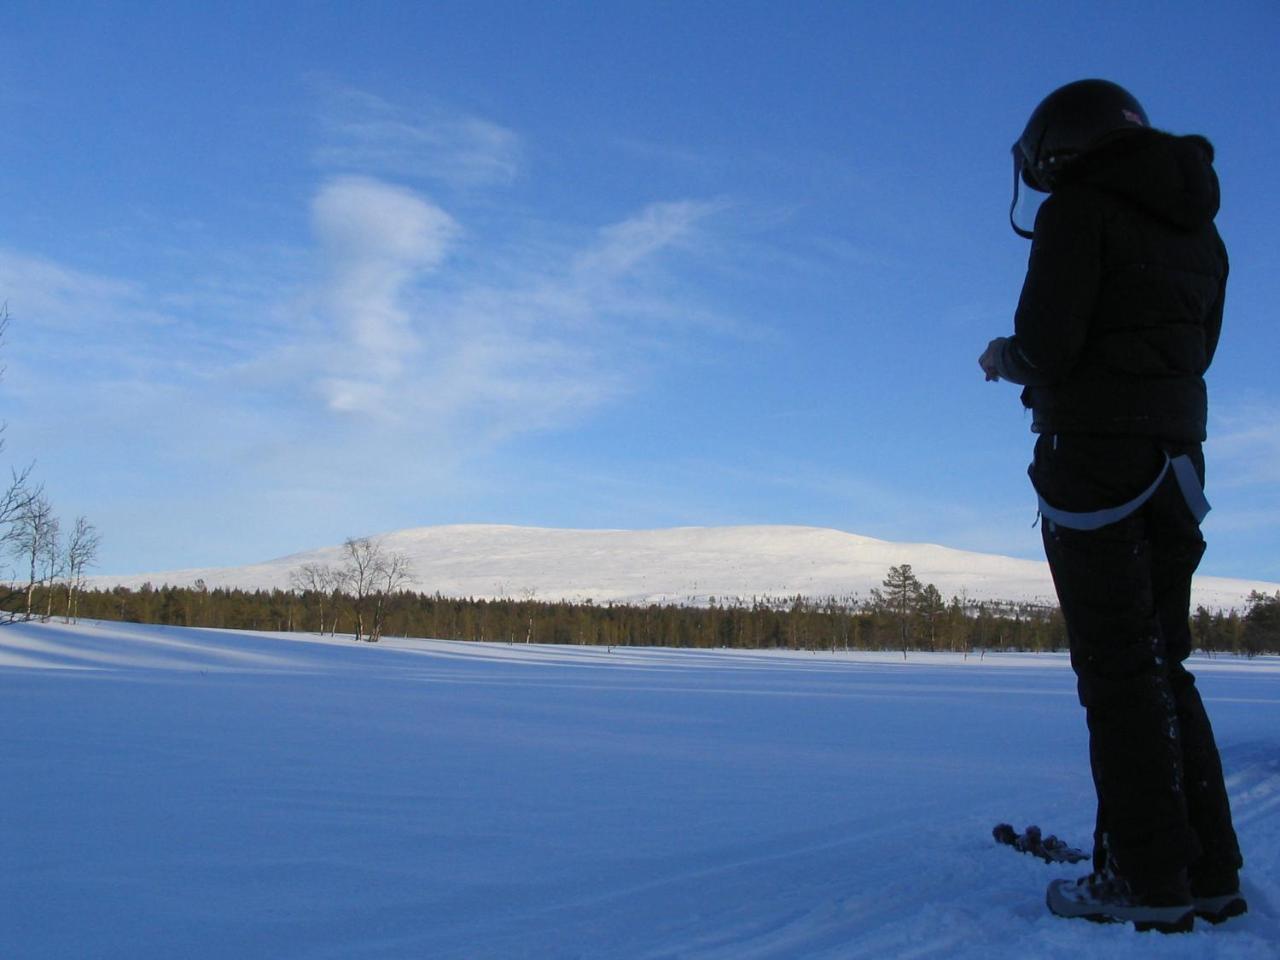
1218	898
1106	898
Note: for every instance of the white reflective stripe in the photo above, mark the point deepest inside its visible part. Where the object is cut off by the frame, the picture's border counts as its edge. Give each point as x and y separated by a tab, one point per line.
1188	482
1192	491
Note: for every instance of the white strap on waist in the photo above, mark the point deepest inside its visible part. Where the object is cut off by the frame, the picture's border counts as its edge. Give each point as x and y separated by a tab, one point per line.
1184	471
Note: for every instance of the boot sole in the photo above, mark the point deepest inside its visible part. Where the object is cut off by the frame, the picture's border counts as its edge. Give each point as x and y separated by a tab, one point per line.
1184	925
1176	919
1220	909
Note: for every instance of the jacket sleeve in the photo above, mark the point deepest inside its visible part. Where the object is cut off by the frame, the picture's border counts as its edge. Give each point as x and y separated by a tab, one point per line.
1058	294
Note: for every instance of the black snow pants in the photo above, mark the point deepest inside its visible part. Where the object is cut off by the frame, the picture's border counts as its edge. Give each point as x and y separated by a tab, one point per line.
1125	592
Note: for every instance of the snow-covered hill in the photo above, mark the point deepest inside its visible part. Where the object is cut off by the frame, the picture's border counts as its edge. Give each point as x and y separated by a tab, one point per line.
684	565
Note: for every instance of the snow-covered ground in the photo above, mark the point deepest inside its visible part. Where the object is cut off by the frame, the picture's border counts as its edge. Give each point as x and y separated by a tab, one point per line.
180	793
681	565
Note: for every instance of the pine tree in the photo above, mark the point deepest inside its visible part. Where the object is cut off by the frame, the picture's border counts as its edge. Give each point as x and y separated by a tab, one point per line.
1262	623
931	607
901	596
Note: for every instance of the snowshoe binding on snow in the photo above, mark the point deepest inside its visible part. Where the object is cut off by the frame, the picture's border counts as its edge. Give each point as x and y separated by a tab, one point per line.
1049	849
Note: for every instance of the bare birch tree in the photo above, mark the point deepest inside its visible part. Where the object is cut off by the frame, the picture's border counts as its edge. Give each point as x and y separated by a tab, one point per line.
33	530
369	574
319	580
52	566
15	500
341	588
81	552
393	574
361	574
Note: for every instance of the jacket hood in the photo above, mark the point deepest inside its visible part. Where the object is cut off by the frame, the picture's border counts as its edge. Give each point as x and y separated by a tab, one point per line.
1171	177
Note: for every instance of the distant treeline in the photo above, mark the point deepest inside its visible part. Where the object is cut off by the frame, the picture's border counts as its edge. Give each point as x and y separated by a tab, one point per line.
919	621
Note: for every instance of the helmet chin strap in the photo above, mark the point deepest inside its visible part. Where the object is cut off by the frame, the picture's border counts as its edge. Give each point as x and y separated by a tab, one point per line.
1017	183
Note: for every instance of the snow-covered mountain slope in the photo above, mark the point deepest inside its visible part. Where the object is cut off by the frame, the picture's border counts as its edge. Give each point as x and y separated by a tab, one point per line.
683	565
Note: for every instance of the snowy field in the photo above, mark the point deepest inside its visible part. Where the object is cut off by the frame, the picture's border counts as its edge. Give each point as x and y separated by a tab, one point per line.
176	793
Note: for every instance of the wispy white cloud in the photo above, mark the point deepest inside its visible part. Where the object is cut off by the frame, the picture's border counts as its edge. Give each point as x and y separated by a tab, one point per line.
1243	467
625	246
59	295
496	346
364	133
377	240
419	329
103	328
364	220
1244	445
510	335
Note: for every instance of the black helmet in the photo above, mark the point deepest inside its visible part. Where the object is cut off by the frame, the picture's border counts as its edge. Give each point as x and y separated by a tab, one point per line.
1068	122
1071	120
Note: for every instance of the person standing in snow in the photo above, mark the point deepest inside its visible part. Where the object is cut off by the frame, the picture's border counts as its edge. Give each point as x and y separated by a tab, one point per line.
1117	323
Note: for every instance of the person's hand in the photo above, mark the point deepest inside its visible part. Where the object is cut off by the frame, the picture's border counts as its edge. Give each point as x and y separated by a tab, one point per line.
988	359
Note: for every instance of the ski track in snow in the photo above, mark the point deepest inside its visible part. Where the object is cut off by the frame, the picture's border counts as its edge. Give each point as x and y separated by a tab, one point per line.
173	792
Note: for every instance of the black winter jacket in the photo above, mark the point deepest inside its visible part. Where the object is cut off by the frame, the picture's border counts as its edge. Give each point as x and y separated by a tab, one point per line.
1122	304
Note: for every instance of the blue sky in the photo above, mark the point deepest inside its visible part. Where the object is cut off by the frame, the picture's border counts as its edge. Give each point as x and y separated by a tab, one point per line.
284	273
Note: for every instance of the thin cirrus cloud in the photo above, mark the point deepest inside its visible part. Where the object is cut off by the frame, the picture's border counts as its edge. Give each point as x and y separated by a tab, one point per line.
115	333
492	343
55	293
622	247
429	326
363	132
1244	445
